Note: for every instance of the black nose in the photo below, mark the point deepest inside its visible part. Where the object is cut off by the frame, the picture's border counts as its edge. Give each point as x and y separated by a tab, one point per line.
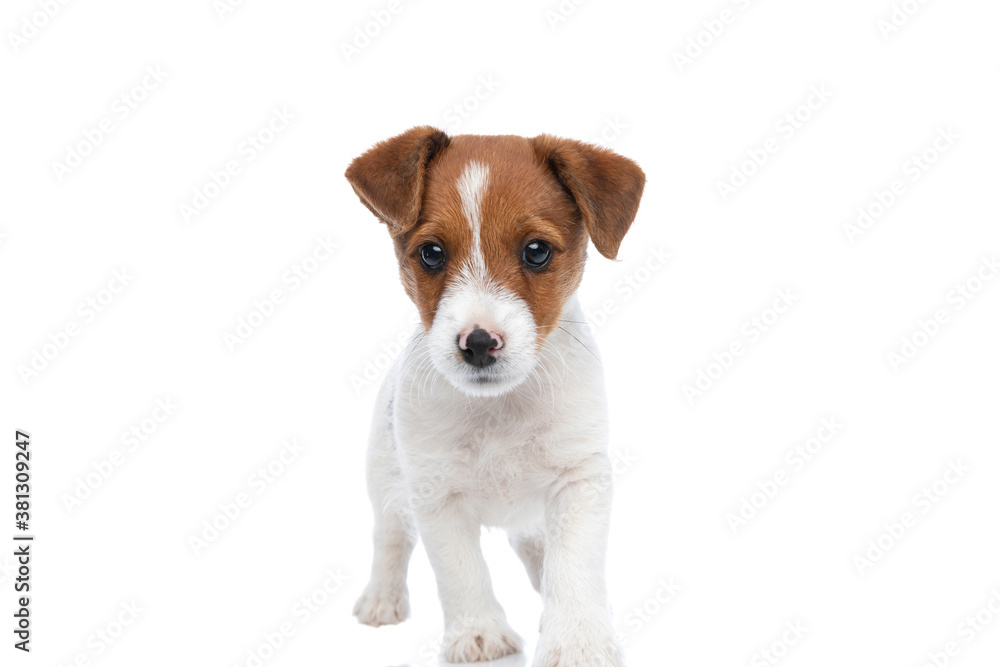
477	348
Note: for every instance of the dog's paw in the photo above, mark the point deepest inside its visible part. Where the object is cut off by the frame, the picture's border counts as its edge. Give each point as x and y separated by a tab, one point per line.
578	649
479	639
381	606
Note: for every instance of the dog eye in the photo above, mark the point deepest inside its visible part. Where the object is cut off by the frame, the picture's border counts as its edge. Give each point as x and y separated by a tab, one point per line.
537	254
431	256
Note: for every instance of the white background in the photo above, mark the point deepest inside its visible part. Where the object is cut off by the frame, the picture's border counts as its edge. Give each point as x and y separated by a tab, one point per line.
606	68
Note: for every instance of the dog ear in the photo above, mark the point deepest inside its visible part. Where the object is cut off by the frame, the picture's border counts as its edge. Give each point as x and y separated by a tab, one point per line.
389	177
605	186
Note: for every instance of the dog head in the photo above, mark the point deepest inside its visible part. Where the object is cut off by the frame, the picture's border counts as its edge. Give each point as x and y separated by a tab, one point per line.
491	237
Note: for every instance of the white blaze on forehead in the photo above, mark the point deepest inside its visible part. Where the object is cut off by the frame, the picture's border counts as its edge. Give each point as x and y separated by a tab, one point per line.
472	186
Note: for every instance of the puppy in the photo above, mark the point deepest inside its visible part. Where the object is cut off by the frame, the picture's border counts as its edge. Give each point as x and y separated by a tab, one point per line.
495	413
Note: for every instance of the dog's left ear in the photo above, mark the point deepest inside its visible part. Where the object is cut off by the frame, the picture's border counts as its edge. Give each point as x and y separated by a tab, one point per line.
389	177
605	186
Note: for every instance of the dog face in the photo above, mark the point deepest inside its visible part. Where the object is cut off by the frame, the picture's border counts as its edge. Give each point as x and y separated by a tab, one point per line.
491	237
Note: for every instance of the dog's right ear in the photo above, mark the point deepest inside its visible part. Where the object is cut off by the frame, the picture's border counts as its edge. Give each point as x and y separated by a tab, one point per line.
389	177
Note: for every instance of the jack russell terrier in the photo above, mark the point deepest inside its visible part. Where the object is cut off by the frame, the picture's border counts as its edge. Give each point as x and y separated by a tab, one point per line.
495	413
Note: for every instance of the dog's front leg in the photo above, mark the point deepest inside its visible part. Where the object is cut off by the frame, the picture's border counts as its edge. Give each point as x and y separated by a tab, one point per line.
476	627
576	627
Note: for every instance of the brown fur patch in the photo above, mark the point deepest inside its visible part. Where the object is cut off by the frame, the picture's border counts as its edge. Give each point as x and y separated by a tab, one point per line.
555	190
606	186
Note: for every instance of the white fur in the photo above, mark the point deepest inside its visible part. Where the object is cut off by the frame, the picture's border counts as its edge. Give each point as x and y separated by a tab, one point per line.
472	186
525	450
